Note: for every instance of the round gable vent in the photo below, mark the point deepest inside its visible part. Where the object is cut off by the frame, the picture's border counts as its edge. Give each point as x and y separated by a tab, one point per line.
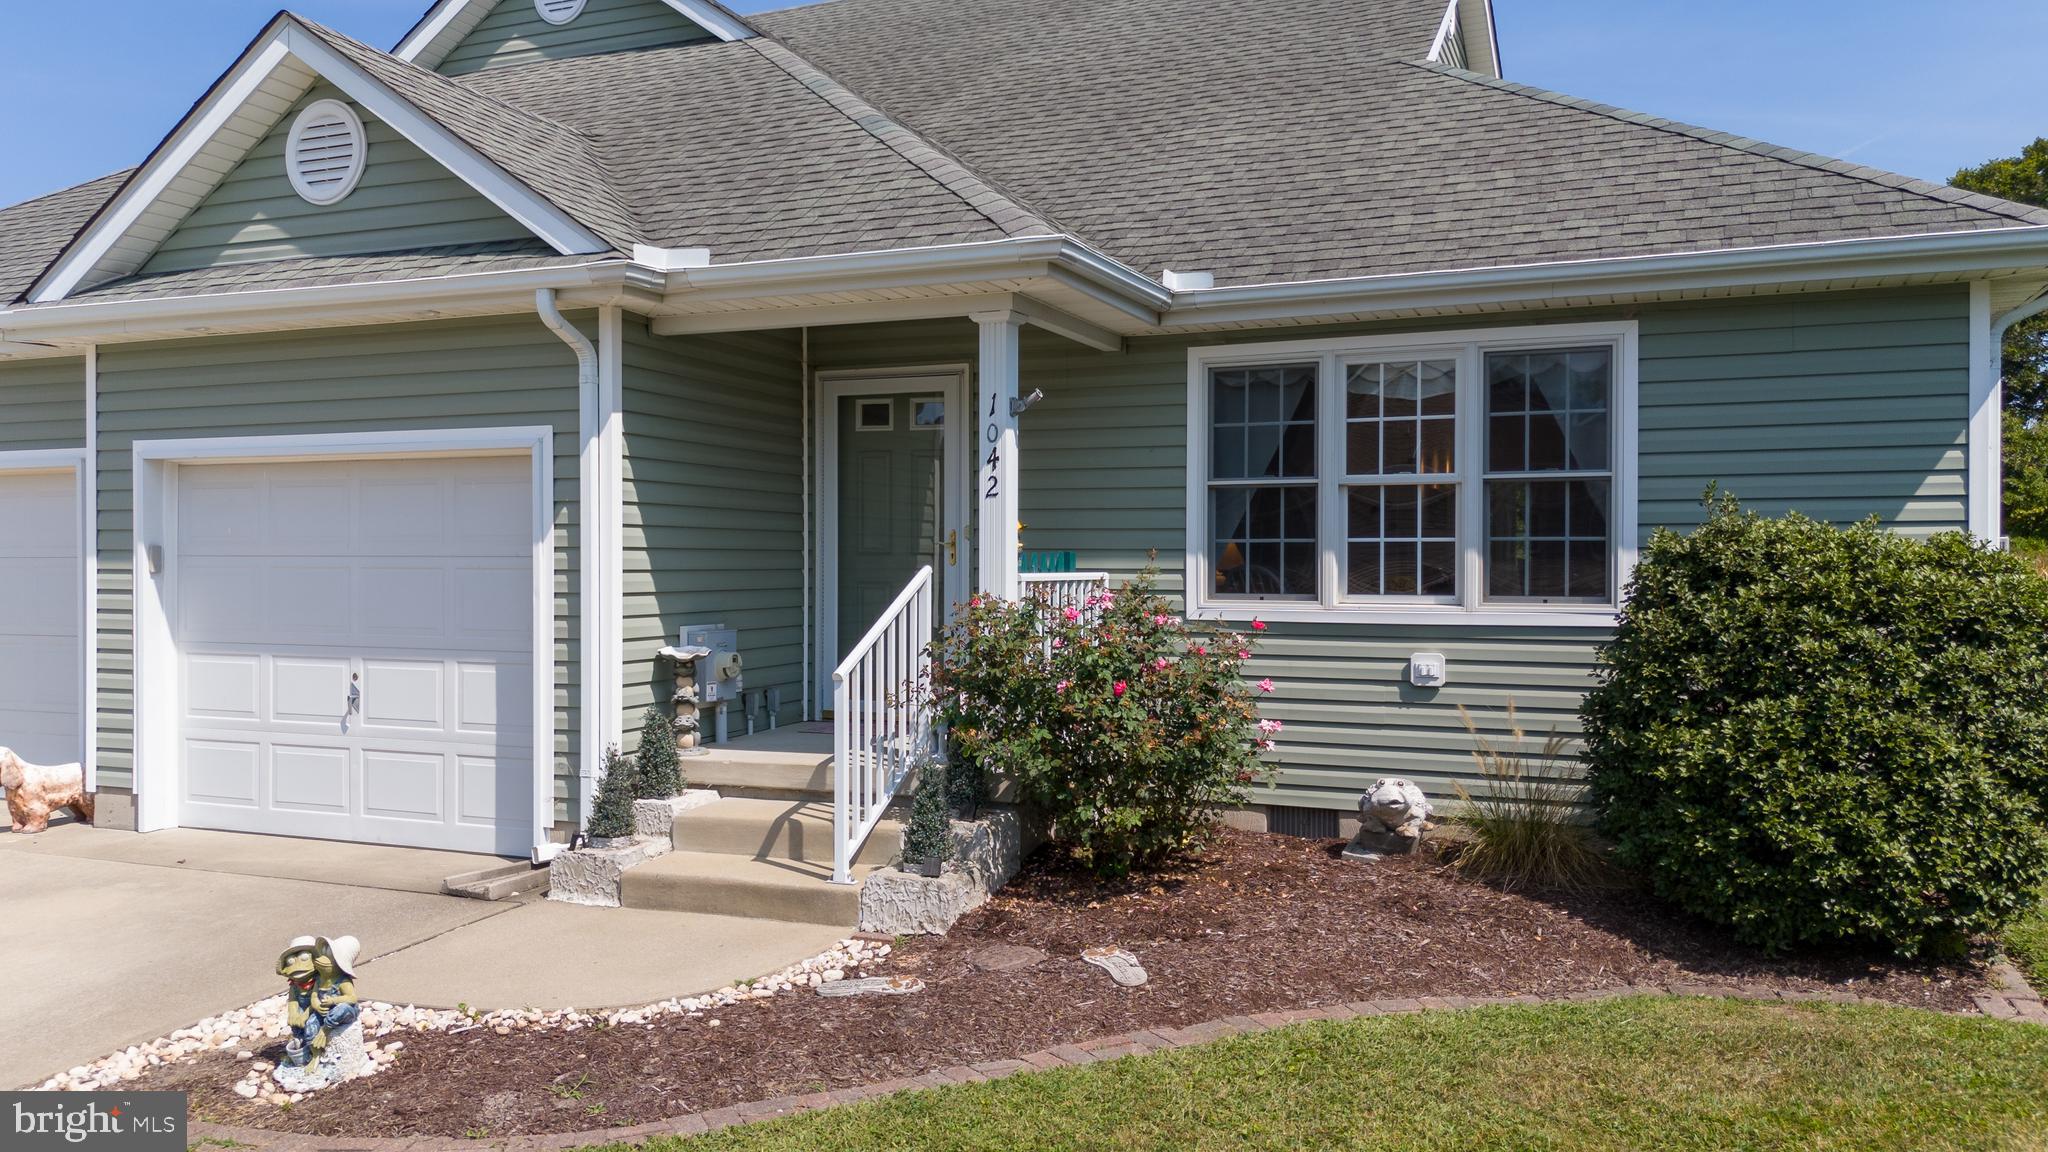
326	152
558	11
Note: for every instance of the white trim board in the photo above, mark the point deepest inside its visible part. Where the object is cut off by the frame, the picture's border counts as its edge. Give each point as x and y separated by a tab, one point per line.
76	461
1470	607
947	379
158	767
111	245
1983	489
450	21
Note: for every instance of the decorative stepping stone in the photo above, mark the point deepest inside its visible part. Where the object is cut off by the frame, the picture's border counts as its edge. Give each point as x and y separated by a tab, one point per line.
1004	957
873	986
1121	965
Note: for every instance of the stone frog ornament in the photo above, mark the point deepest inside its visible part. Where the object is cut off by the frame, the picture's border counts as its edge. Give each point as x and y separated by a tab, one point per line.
34	791
1392	817
325	1040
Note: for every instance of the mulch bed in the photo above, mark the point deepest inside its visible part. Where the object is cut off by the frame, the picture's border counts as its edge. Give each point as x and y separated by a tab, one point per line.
1262	923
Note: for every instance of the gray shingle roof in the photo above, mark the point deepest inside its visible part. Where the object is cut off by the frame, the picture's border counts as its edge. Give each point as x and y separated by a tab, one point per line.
34	232
720	145
1300	139
546	156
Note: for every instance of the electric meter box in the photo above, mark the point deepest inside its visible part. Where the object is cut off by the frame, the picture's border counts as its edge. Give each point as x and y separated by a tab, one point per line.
719	678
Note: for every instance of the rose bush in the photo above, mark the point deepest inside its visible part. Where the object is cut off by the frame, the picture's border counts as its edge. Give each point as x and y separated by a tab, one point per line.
1127	727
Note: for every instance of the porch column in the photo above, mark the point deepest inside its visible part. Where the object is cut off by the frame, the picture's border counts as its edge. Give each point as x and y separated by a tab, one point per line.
995	444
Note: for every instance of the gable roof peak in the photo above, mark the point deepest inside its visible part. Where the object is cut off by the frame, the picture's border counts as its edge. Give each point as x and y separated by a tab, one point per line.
447	22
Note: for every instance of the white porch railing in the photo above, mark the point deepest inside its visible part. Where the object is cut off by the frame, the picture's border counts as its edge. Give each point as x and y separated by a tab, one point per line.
1066	589
881	719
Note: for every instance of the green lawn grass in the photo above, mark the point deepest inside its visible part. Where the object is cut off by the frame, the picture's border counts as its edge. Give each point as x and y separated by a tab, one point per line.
2027	944
1625	1074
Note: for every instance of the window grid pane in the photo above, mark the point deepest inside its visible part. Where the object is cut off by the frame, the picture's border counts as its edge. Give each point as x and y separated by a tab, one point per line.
1401	540
1400	418
1263	539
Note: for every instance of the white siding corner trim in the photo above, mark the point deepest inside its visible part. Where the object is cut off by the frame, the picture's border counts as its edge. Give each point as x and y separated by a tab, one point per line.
1470	606
158	765
1985	490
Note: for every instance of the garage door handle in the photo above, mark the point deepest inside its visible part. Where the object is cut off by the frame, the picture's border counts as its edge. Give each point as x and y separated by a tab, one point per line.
355	695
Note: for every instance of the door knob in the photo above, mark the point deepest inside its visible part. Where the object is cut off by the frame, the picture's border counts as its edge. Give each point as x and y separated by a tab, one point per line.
355	694
953	547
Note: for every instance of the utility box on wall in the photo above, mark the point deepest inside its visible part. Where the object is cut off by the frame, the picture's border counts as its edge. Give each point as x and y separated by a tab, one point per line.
719	676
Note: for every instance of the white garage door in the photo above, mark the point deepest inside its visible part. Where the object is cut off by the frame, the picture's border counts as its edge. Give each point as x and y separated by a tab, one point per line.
41	717
355	643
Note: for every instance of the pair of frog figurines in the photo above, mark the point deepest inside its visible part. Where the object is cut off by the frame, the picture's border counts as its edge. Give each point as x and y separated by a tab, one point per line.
321	999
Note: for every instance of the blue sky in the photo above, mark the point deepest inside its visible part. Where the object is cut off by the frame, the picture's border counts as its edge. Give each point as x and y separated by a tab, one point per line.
92	85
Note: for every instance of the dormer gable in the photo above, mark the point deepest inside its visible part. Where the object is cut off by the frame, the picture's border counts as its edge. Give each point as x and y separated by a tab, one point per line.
458	37
219	188
1465	38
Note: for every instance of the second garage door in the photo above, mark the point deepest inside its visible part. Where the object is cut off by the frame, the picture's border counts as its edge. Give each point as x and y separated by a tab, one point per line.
355	643
40	587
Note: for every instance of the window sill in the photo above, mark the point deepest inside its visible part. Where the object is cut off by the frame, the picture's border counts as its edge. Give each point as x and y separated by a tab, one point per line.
1431	615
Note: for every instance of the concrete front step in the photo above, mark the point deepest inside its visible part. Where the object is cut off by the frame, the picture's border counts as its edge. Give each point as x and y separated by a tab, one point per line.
733	885
782	830
791	772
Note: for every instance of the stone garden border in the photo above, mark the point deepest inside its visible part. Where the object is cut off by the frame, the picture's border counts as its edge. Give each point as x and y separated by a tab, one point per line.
2013	1000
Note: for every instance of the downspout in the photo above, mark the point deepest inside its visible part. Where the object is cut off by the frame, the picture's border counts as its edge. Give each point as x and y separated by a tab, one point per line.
588	546
804	466
1999	328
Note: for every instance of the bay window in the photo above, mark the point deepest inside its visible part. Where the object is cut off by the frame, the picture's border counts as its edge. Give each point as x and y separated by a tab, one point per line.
1484	475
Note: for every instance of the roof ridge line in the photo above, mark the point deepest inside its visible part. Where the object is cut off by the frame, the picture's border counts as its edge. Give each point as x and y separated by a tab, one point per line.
1007	212
1947	194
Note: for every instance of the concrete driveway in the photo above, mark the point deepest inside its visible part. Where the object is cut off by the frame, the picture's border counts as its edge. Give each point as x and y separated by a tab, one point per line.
111	938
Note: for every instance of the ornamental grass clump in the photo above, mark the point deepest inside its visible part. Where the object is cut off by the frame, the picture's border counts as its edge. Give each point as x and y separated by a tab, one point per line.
1124	725
1528	829
1812	734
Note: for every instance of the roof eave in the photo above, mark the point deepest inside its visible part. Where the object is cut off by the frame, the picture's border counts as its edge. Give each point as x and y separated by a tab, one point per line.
1970	252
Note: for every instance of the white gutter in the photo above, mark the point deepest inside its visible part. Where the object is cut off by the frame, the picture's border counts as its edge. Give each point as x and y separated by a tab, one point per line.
1977	250
1986	483
590	543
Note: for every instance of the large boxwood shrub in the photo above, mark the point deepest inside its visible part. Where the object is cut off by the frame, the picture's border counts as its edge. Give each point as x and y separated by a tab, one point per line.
1813	734
1125	726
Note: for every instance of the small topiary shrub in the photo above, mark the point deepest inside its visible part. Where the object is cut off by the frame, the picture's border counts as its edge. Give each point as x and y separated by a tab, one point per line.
1127	728
611	810
660	760
1813	734
928	839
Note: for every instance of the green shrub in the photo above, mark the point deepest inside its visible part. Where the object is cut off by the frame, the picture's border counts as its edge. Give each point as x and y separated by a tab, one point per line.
928	837
1528	830
1814	734
2026	479
611	810
1127	728
660	761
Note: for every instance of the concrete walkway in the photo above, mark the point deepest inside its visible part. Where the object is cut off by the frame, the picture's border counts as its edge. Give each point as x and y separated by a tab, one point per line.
111	938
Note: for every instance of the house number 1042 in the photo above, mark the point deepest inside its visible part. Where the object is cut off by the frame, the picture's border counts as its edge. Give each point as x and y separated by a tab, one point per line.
995	451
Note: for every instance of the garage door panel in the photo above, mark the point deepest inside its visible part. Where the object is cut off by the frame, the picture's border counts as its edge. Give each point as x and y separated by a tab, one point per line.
41	584
405	694
415	576
310	690
39	595
219	772
219	598
310	779
404	785
307	601
223	687
493	605
401	604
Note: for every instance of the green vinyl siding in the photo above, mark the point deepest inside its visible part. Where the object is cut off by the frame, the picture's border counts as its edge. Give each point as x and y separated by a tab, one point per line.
501	372
1841	406
42	404
406	200
714	507
514	33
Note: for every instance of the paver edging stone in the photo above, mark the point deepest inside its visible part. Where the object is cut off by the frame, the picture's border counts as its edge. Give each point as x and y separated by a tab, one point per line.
2022	1003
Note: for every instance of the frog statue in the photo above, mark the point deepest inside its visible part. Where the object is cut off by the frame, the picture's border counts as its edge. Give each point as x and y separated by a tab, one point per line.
320	1010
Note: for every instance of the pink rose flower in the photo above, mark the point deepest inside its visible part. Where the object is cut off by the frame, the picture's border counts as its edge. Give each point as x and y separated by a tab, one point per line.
1160	664
1258	625
1119	689
1058	643
1201	651
1062	686
1244	654
1071	614
1269	726
1267	745
1266	685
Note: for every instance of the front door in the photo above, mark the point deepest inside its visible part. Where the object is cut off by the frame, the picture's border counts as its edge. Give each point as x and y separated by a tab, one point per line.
891	503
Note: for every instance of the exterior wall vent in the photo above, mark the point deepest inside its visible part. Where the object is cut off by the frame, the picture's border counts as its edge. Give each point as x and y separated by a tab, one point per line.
1313	823
326	152
558	11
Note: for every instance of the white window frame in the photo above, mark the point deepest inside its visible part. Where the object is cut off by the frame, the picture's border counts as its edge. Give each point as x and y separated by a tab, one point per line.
1469	347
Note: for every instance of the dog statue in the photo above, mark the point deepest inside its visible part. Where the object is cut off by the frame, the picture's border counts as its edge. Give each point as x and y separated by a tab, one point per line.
36	790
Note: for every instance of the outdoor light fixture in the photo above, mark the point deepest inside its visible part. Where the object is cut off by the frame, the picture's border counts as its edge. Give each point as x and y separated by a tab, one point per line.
1022	404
